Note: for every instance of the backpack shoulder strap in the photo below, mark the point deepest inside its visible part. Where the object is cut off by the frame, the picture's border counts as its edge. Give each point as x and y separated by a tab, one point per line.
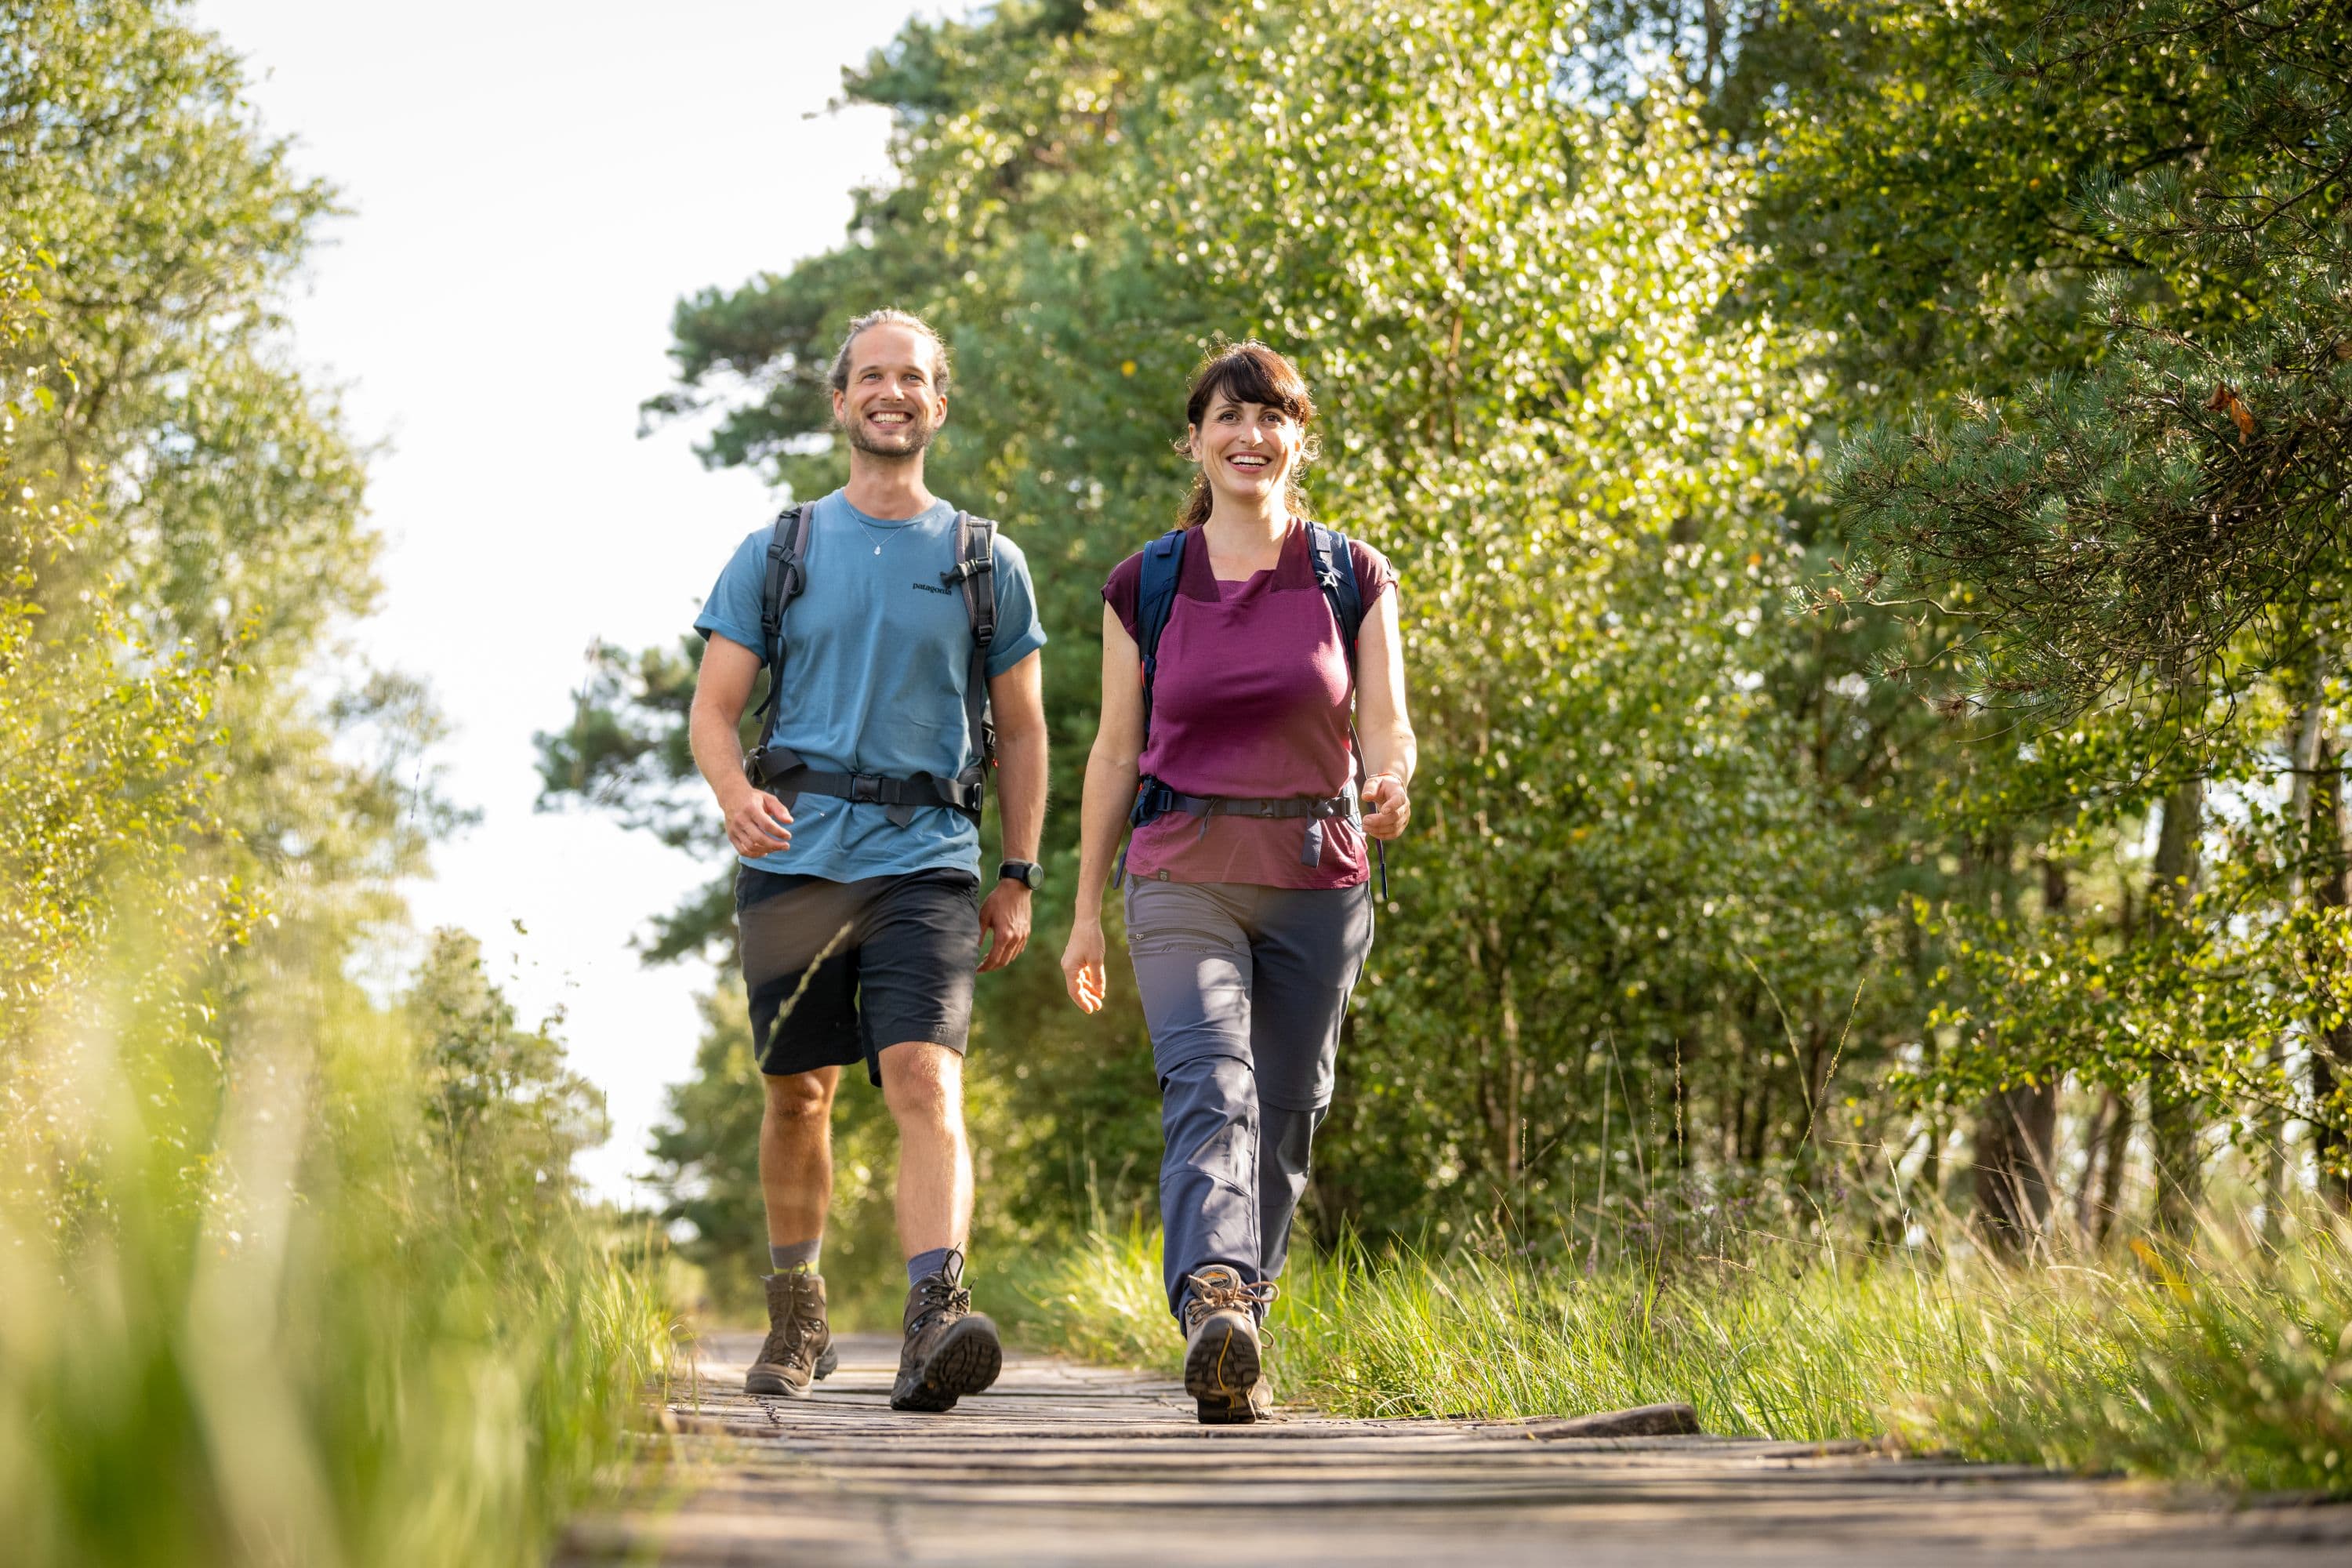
976	572
1155	599
787	576
975	569
1335	570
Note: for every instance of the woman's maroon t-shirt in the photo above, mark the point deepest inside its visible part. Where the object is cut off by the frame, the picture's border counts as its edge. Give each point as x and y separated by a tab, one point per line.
1251	700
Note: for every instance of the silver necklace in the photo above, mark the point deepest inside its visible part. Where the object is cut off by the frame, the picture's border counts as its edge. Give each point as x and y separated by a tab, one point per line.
880	531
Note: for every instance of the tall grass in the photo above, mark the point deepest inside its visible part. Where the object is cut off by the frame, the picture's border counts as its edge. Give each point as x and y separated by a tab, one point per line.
251	1314
2227	1365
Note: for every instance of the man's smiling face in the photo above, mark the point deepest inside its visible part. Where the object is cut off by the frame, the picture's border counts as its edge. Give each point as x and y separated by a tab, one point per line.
893	406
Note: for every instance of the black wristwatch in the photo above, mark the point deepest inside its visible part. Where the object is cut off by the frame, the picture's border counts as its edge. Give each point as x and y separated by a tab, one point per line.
1028	873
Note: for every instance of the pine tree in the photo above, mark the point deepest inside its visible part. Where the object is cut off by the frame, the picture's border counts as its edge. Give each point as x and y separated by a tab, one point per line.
2164	533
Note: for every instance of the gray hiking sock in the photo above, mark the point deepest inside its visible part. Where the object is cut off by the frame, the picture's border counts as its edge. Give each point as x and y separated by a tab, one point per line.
800	1255
923	1265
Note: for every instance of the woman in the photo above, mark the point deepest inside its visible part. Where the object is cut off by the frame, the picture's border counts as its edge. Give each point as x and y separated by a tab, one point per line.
1227	679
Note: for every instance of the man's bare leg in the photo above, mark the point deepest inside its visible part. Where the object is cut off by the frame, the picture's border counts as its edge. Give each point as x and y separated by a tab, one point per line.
796	1154
923	1085
950	1351
796	1186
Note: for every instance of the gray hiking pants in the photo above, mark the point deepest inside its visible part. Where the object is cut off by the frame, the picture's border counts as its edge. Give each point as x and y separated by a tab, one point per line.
1243	988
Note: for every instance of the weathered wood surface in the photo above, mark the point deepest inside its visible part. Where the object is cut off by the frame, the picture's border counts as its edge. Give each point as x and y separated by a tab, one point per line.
1063	1464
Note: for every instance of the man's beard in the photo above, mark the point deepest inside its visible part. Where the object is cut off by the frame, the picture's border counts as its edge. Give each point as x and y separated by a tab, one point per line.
919	436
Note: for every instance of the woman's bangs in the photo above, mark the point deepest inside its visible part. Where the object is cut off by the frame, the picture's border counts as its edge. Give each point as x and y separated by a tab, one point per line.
1257	377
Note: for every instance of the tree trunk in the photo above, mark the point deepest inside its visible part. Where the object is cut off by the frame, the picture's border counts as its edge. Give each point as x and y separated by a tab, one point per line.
2013	1137
2331	1046
2116	1151
2301	823
2091	1196
2172	1114
2014	1129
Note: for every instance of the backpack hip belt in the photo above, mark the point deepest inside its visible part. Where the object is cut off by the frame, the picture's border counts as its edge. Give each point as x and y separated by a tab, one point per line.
780	771
1154	799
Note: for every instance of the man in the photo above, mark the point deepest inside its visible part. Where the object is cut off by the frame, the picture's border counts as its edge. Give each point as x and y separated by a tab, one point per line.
857	892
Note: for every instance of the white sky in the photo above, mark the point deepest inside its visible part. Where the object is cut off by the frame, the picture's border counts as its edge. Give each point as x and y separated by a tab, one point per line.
532	187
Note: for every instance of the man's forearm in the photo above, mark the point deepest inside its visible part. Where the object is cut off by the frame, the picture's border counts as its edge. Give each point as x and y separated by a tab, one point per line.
717	750
1021	792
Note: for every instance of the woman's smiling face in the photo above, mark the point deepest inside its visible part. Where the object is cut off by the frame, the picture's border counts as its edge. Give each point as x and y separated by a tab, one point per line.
1246	449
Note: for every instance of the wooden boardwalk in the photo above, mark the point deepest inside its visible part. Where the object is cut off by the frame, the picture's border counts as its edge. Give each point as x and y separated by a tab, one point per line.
1063	1464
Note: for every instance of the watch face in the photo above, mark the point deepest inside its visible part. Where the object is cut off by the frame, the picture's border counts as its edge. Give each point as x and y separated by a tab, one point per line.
1028	873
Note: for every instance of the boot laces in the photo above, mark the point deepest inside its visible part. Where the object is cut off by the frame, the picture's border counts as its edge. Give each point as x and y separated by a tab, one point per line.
803	1327
1215	1296
797	1332
941	1300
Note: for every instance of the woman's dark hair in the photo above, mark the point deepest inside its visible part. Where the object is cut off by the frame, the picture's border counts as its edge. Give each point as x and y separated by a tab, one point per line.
1249	373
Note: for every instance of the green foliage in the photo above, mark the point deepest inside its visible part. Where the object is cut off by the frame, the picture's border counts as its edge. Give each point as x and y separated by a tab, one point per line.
103	741
1922	201
2144	541
292	1277
227	493
134	160
506	1114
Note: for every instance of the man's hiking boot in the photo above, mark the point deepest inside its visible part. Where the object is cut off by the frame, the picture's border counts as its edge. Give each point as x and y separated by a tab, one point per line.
951	1350
799	1346
1221	1364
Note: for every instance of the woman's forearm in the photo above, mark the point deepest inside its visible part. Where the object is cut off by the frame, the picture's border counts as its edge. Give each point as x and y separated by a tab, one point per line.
1392	751
1102	813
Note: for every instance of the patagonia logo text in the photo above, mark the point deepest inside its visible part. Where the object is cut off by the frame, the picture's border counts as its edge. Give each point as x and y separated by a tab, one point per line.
933	588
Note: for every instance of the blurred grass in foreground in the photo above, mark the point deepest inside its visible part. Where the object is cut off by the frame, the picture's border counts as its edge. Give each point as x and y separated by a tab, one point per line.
306	1321
2228	1365
289	1275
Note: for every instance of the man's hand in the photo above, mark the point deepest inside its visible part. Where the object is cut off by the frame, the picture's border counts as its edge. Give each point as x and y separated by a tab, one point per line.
1083	970
757	822
1004	921
1387	807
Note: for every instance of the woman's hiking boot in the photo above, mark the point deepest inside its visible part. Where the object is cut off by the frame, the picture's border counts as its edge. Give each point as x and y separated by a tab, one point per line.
951	1350
1223	1370
799	1346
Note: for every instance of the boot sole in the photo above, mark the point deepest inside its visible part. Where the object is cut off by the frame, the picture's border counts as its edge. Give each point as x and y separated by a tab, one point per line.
776	1386
1217	1413
967	1361
1220	1370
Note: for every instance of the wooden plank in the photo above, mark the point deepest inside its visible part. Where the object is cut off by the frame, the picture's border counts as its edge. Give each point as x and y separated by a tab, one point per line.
1642	1421
1063	1464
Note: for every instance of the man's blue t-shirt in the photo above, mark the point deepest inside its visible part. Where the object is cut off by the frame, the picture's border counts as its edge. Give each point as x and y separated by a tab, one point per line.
877	653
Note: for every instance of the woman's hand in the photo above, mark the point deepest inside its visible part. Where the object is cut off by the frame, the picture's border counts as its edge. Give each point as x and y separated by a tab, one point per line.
1387	808
1083	968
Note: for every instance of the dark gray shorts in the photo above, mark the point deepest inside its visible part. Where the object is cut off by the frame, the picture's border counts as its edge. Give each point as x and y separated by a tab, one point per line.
838	972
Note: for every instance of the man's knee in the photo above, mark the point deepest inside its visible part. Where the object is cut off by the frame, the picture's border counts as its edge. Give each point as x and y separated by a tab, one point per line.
923	1082
800	1100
